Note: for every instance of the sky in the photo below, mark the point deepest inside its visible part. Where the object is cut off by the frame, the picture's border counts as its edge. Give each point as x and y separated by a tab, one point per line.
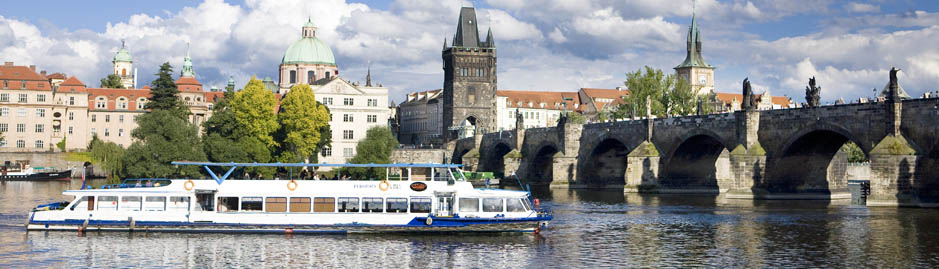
543	45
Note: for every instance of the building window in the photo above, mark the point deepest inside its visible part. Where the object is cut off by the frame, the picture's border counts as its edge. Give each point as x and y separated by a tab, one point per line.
21	143
348	134
41	112
347	152
71	100
347	118
23	86
373	102
479	72
4	97
41	98
70	130
21	112
310	76
327	152
120	132
71	116
141	102
23	98
3	143
39	144
348	101
101	103
4	111
372	118
120	118
94	118
107	132
328	101
107	118
93	133
327	75
121	103
20	127
40	128
293	76
4	127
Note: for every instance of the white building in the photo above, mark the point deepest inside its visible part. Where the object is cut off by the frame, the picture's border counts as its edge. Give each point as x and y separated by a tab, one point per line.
354	108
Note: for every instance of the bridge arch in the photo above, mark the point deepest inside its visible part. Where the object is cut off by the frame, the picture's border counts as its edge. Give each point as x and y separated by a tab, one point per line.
806	164
541	169
694	163
606	163
495	158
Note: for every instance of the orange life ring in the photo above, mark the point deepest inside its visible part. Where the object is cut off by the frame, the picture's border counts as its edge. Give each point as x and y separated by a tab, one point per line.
189	185
294	185
383	185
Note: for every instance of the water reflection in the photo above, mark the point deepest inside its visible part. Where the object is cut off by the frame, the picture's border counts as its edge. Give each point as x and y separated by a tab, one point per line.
591	229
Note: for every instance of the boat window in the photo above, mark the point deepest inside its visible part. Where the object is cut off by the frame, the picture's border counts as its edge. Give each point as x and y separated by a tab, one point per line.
348	204
154	203
514	205
469	204
178	203
227	204
299	204
396	205
324	204
107	203
420	204
526	203
252	204
492	205
86	203
130	203
372	204
275	204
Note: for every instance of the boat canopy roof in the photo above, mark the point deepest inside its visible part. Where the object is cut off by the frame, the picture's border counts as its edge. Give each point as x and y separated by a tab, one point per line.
382	165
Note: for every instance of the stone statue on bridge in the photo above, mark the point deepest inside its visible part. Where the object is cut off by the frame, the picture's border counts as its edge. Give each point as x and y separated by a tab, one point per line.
813	94
749	101
894	85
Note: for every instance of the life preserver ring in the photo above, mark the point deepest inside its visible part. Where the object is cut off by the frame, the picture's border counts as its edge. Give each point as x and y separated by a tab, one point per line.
189	185
383	185
429	221
294	185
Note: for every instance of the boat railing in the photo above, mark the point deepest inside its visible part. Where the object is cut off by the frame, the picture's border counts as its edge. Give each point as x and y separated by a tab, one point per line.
394	171
138	183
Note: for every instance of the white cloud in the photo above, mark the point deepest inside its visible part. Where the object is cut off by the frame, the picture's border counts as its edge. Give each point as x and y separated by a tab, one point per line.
557	36
506	27
606	24
861	7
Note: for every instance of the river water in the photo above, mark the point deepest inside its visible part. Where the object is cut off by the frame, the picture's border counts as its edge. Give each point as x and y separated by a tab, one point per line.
591	229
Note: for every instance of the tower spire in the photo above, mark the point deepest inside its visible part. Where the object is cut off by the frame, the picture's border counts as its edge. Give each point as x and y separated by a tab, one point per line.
368	75
187	71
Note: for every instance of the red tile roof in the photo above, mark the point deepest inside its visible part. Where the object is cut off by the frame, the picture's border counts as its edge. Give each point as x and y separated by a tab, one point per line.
534	99
72	84
188	84
728	98
56	76
14	76
615	94
214	97
112	94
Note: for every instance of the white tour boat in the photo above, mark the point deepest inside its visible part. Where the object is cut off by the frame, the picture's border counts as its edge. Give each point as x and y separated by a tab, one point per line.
412	198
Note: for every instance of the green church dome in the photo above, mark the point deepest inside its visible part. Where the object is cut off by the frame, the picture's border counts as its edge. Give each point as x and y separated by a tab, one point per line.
123	56
309	49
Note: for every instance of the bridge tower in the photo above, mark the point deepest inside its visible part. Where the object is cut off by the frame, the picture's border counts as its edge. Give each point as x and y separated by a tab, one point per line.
469	87
694	69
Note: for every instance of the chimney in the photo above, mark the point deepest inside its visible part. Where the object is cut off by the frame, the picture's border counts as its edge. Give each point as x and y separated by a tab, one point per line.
32	67
43	73
7	63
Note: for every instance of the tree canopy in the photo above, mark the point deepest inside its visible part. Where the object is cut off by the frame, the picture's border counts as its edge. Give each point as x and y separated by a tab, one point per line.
108	156
163	93
301	117
254	112
112	81
377	147
162	137
669	94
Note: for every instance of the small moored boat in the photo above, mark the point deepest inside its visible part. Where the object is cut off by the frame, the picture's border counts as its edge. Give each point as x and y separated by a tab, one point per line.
27	173
412	198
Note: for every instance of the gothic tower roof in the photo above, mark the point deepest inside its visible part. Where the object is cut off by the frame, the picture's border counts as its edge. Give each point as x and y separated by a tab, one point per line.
467	33
693	57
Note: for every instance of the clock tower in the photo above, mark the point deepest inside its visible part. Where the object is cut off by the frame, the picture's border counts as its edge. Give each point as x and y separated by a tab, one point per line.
694	70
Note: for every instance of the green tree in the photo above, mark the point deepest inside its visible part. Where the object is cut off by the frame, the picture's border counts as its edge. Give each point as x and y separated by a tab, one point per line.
112	81
682	100
669	95
854	152
108	156
254	112
164	95
61	144
375	148
301	119
162	137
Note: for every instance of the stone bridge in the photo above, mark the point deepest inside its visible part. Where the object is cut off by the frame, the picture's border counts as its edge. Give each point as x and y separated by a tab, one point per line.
769	154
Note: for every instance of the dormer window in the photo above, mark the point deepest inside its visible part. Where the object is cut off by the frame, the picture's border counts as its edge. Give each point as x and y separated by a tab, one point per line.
121	103
101	102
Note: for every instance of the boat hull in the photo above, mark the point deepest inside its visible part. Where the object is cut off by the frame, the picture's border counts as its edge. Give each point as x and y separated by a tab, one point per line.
418	225
45	176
